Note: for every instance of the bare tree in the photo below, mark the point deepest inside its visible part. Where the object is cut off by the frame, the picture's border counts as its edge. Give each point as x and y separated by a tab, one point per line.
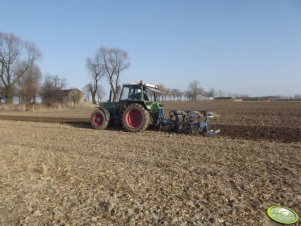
176	94
187	95
168	93
180	94
211	92
16	57
52	89
29	84
100	93
162	88
114	61
87	91
97	70
2	95
194	89
221	93
297	97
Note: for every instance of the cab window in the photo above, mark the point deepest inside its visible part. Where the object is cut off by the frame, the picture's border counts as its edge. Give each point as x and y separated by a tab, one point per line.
135	94
125	93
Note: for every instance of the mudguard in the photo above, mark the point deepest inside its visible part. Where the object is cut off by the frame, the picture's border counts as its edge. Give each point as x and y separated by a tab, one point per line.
106	112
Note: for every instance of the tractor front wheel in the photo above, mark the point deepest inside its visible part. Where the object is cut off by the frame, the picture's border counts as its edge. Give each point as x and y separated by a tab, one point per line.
98	120
135	118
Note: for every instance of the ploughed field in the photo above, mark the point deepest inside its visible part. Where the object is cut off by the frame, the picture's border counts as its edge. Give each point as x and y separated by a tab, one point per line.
278	121
67	173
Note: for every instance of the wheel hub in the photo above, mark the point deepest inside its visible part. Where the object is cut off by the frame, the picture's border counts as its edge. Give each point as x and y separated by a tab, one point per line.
133	118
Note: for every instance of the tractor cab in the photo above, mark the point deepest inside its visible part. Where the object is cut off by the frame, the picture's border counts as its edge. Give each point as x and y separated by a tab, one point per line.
139	92
142	93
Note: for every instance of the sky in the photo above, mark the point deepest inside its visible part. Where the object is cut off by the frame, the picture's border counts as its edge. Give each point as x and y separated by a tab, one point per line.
245	47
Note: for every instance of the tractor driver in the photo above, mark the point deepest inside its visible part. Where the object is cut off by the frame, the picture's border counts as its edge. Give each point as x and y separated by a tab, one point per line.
137	95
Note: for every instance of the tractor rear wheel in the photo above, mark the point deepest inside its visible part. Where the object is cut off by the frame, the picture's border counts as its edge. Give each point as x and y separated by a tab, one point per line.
98	120
135	118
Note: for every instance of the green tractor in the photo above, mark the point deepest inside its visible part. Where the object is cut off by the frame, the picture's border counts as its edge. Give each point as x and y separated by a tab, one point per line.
136	110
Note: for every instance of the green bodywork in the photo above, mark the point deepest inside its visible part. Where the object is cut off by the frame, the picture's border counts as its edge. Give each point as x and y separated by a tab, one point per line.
133	93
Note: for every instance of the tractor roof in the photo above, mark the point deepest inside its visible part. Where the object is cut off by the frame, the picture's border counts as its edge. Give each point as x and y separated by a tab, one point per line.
154	88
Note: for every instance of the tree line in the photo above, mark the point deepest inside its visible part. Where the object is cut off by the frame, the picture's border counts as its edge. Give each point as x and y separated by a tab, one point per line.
110	62
193	91
21	77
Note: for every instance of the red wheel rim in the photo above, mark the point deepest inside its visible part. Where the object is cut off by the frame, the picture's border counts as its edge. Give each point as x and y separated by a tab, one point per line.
97	119
133	118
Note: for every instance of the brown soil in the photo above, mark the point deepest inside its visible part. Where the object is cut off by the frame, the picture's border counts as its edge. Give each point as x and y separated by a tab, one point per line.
281	134
65	173
55	174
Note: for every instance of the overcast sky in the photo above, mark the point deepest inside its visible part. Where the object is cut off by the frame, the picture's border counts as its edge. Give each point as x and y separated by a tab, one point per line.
246	47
